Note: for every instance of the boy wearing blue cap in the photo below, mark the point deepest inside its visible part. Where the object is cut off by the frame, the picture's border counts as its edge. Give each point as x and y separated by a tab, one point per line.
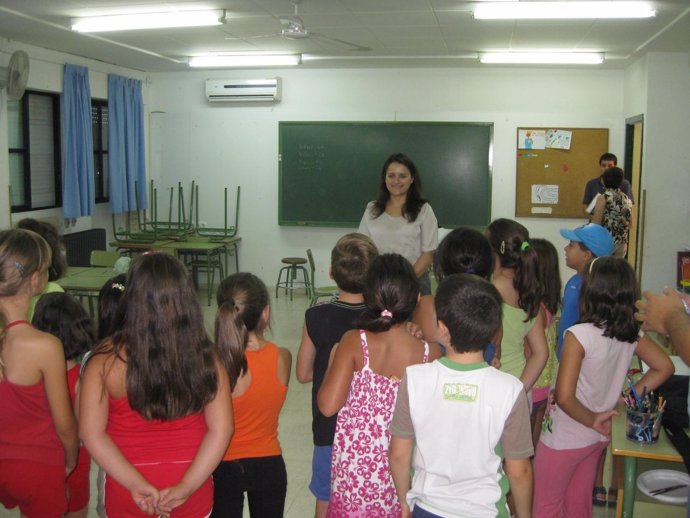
585	243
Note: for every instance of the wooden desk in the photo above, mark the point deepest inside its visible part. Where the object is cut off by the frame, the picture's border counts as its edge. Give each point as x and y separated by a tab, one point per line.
630	451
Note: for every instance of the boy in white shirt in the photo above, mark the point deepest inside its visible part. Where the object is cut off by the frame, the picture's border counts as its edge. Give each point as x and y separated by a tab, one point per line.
468	421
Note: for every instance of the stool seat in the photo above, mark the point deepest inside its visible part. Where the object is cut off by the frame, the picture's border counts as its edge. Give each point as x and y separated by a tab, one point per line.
293	260
292	268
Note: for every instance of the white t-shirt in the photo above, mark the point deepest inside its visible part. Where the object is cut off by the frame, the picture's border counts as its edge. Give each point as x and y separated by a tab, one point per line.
397	235
599	385
464	419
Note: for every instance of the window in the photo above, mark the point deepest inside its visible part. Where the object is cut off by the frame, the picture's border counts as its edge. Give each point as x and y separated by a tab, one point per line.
99	123
34	151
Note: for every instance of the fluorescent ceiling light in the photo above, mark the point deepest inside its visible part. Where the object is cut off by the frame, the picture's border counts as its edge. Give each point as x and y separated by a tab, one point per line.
543	58
245	60
126	22
562	10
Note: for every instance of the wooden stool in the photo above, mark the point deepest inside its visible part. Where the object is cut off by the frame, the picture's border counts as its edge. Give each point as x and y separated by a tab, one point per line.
293	265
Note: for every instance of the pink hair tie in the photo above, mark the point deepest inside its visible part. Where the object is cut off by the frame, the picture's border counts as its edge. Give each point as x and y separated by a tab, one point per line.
386	314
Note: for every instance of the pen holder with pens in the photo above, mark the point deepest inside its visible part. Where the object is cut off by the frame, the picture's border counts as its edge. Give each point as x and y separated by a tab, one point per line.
642	427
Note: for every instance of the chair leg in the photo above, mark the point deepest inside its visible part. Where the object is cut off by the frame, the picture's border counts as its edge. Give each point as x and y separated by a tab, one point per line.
279	283
293	275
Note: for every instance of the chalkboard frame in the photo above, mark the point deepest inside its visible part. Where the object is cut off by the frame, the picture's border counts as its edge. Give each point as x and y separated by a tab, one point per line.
367	188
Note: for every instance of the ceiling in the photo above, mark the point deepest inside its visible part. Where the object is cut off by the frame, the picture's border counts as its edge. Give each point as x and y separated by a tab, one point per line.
393	32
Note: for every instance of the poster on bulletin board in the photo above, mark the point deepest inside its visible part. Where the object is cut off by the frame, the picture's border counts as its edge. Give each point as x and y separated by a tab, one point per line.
553	166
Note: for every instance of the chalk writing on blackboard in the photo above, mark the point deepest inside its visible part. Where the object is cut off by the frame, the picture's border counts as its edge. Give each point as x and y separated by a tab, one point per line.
545	194
311	157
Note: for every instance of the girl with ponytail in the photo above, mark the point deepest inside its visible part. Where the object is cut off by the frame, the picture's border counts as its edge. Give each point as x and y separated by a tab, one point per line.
361	384
516	276
259	372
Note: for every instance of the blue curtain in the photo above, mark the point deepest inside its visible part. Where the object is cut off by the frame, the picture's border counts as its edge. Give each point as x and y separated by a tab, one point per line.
78	196
126	144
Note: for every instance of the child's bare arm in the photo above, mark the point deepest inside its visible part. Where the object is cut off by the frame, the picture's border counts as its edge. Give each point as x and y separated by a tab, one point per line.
52	367
425	317
519	472
539	353
304	369
400	460
284	365
336	385
660	365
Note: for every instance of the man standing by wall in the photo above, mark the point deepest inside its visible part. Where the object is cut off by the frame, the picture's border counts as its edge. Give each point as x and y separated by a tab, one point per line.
596	185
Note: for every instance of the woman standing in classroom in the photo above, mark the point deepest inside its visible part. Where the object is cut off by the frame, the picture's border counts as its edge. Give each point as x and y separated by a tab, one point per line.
613	210
400	220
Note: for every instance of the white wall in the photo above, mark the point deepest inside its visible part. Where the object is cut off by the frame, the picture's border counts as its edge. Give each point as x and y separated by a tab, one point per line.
666	167
46	74
229	145
222	145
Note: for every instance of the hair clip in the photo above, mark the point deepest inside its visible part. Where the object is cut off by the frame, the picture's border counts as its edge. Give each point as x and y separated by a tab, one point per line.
118	286
151	252
524	246
386	314
502	248
20	268
470	270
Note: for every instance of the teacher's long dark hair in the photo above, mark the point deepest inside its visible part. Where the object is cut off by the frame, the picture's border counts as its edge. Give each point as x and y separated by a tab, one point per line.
414	201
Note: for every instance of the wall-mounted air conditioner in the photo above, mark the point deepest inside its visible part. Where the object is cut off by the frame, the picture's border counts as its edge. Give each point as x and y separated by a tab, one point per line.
224	90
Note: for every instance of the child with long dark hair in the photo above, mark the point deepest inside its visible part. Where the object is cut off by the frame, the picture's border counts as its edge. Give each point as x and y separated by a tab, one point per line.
61	315
109	298
463	250
362	383
38	431
550	306
259	376
155	408
594	362
516	279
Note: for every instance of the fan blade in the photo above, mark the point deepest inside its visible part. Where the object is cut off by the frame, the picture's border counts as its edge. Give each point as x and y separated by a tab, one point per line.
353	46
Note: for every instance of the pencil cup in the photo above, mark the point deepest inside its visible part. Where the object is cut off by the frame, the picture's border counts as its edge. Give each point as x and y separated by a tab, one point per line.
642	427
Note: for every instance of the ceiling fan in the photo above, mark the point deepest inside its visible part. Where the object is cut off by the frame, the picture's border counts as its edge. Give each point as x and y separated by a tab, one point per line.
294	29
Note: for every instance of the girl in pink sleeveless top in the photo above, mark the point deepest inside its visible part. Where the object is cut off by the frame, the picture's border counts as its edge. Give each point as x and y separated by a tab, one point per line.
362	383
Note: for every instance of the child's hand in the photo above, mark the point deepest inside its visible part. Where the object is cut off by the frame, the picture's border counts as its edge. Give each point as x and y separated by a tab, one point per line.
414	330
602	422
172	497
406	513
146	497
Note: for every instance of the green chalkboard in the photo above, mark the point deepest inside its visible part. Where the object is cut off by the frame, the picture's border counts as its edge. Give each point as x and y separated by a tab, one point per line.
330	170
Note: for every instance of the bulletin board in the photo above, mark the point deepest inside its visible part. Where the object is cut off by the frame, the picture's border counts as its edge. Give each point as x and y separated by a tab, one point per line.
553	166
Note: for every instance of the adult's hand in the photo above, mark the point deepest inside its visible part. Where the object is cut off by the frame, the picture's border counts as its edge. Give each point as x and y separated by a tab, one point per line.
656	311
667	314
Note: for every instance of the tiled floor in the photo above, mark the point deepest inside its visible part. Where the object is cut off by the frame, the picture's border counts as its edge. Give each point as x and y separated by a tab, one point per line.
295	420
